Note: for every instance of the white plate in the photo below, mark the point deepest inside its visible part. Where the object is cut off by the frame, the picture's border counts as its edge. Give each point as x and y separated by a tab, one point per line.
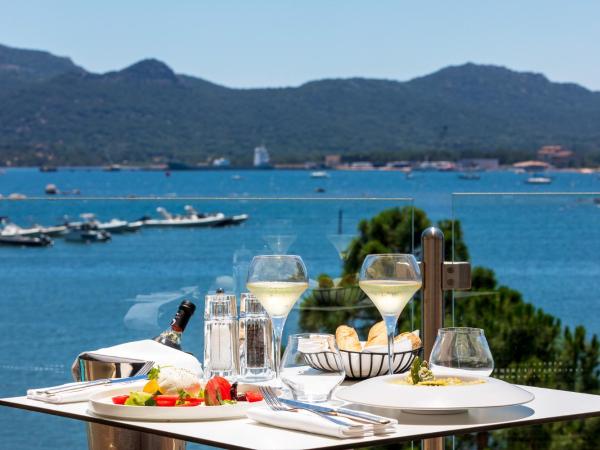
381	392
101	404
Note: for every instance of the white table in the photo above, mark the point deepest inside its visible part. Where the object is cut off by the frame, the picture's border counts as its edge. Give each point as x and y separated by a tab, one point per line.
549	406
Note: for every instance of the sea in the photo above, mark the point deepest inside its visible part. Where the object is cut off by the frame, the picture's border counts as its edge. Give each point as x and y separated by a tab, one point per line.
543	240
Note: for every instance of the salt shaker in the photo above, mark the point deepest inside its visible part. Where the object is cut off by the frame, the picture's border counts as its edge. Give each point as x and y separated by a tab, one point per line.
256	344
220	336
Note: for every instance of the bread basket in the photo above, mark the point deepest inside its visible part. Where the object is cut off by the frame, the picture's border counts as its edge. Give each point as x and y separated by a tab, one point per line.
359	365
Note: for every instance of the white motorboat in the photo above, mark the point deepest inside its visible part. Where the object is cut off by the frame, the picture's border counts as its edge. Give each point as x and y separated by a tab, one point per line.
87	233
112	226
225	221
538	179
189	220
319	174
12	229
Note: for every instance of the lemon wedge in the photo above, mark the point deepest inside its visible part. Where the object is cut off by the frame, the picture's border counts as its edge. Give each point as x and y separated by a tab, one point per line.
151	386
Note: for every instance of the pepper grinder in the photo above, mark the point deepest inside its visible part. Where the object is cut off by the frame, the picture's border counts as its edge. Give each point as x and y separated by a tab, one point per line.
256	344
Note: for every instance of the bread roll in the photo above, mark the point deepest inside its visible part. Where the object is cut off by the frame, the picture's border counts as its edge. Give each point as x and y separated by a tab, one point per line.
412	337
347	339
377	335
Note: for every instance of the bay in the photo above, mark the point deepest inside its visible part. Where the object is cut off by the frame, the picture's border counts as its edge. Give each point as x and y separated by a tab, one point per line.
62	300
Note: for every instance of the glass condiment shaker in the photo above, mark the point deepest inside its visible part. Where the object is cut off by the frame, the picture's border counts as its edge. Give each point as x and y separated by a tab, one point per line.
256	344
220	335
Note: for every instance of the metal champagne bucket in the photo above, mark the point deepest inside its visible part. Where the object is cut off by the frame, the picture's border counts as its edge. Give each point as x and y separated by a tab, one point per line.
104	437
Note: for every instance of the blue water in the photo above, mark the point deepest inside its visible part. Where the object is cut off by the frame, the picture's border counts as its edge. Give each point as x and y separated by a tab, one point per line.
59	301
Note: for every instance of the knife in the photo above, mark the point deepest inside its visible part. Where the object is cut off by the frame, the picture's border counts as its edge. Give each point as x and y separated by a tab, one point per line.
372	418
70	387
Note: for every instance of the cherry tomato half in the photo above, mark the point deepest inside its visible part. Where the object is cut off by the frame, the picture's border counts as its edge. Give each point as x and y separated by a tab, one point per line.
120	399
166	400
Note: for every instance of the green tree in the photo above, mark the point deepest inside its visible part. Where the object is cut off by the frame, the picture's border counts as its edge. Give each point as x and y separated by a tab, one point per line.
529	346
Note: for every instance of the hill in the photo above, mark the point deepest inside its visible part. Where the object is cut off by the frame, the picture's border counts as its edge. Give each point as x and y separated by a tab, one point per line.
53	111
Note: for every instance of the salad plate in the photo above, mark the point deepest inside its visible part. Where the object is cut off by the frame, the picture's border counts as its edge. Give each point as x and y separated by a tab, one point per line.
102	404
392	391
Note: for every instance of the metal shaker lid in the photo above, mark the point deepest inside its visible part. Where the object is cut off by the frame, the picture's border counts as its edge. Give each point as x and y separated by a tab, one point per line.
220	306
249	304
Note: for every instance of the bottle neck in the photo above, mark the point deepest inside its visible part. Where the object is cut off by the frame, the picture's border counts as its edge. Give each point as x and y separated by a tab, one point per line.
180	320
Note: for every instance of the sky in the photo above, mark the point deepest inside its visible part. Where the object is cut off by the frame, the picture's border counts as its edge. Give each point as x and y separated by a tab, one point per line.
256	43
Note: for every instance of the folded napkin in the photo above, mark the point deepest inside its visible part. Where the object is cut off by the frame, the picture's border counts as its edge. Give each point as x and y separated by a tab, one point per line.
311	423
136	351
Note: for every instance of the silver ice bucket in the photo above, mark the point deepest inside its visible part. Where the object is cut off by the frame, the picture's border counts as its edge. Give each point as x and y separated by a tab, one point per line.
104	437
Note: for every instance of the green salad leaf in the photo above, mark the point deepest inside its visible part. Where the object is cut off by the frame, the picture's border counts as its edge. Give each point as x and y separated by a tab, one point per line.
140	399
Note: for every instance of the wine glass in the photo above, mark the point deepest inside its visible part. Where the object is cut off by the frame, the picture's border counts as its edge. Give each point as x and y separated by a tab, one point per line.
312	366
461	352
277	281
390	281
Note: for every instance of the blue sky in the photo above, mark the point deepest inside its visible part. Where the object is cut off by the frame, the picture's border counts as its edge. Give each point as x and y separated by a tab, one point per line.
281	43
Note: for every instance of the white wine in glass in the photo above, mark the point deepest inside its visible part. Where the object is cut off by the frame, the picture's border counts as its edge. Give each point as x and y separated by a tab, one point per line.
277	297
277	281
390	296
390	281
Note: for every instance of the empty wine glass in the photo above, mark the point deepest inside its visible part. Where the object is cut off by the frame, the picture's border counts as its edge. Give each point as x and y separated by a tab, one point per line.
312	366
277	281
390	281
461	352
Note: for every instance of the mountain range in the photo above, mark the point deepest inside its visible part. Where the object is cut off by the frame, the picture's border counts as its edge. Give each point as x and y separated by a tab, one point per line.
55	112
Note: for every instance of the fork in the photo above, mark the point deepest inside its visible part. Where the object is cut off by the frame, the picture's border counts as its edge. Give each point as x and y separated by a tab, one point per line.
72	387
273	402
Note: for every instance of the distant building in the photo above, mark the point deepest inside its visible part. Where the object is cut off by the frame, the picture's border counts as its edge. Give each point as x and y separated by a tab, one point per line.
361	165
333	160
532	166
557	155
478	164
261	157
221	162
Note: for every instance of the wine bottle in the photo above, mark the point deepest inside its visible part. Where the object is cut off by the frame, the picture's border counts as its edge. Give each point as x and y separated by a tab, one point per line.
172	335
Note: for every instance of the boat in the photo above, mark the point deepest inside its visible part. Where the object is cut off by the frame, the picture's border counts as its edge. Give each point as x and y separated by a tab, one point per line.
189	220
112	226
319	190
26	241
51	189
87	233
319	174
10	229
224	222
538	179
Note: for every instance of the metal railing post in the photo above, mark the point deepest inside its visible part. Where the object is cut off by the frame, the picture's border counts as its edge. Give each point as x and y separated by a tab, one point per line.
438	276
432	309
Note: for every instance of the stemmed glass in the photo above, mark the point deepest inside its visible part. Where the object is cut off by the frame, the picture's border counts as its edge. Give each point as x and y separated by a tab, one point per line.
277	281
461	351
390	281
